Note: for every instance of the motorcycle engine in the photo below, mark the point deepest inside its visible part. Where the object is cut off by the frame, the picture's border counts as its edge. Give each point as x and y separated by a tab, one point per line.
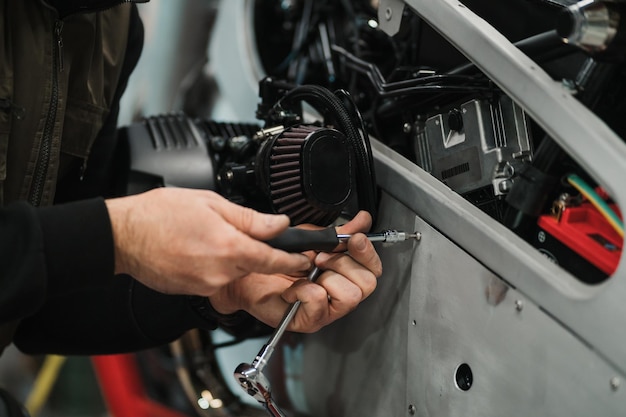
308	171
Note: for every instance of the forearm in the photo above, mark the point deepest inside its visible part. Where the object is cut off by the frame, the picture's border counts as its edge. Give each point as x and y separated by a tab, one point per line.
22	262
51	251
123	316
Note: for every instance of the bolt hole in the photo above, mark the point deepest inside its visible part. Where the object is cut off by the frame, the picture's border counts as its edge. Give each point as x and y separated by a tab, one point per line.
464	377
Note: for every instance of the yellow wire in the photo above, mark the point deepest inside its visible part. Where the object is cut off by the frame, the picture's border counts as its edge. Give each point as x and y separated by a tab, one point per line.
618	228
43	384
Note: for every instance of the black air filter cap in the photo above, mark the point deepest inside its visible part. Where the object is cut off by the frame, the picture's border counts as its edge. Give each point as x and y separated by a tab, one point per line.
309	171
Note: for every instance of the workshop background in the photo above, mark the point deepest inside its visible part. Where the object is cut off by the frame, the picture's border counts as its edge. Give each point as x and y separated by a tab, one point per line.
176	42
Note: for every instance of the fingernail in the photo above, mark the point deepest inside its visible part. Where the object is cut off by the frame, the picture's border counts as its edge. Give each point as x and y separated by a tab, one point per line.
322	257
272	220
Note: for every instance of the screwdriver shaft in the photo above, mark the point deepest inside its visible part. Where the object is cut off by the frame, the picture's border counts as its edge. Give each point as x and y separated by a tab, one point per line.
388	236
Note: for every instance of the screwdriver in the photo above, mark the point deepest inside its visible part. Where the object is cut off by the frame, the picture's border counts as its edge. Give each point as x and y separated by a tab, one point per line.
300	240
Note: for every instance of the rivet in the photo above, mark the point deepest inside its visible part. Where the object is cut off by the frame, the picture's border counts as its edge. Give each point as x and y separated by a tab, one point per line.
519	305
388	13
615	383
412	409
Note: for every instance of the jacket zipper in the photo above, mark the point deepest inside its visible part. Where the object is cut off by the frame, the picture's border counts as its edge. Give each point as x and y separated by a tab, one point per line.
43	162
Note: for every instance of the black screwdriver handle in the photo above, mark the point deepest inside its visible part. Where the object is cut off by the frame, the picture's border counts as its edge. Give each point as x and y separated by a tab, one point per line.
300	240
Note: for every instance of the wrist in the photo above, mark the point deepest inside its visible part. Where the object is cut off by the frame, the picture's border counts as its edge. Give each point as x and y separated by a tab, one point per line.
207	310
222	301
118	209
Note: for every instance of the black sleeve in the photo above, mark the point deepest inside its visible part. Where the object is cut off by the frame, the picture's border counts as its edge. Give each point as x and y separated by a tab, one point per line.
123	316
68	298
22	262
51	251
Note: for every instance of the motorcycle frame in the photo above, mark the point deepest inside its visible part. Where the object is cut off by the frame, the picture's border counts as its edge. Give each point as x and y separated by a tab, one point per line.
575	128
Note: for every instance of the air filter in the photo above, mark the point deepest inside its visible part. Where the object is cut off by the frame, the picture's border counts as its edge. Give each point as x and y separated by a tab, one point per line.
308	173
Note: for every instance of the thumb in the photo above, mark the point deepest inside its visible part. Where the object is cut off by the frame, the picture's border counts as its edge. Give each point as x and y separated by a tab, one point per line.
258	225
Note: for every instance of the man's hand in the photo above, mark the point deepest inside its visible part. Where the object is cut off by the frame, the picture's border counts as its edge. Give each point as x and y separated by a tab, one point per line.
348	278
182	241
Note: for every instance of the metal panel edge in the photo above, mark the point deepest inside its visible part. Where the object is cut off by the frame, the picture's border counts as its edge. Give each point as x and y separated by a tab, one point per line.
594	314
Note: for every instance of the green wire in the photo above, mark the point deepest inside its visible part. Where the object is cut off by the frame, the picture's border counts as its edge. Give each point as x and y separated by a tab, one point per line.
598	202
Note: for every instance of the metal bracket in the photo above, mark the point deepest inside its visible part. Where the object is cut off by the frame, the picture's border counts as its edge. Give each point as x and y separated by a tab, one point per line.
390	15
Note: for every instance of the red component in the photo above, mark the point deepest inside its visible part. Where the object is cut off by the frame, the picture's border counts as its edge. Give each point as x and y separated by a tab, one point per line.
123	390
585	231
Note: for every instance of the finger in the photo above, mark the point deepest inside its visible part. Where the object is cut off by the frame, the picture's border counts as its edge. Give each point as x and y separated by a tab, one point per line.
362	250
261	226
314	312
362	222
349	270
343	295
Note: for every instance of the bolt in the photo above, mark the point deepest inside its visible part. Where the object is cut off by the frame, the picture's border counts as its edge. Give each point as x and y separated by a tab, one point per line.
569	85
615	383
388	13
519	305
412	409
541	236
414	322
406	128
505	186
218	143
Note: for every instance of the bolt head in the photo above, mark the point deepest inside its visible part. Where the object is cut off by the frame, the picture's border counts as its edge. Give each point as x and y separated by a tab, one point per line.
615	383
541	236
505	186
412	409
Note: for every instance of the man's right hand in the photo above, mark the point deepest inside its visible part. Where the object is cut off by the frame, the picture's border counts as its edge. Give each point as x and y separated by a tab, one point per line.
182	241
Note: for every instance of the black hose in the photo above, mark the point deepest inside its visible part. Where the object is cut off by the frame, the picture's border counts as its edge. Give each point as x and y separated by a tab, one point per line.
543	47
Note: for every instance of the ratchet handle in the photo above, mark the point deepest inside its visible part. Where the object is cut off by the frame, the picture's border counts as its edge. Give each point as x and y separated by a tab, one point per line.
300	240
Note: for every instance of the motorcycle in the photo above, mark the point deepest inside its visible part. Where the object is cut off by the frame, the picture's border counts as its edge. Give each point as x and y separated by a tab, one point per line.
494	129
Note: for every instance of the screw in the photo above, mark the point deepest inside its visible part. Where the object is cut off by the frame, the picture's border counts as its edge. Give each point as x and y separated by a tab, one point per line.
519	305
541	236
388	13
412	409
414	322
615	383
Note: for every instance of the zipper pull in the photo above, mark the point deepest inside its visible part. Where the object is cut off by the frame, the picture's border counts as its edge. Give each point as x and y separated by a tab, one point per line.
58	29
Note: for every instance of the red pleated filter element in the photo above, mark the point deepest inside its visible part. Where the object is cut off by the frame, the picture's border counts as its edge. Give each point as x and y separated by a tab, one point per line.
308	172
